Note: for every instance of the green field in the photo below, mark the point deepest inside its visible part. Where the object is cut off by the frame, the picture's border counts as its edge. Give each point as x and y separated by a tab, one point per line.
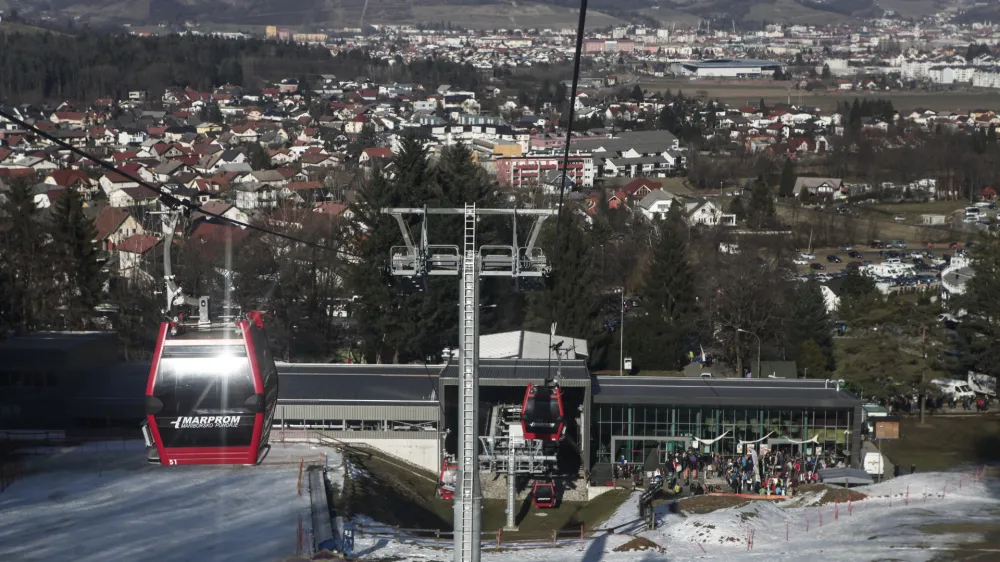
945	443
403	496
932	207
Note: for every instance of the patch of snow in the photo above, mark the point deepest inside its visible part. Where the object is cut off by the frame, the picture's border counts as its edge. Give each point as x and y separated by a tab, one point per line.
883	526
100	502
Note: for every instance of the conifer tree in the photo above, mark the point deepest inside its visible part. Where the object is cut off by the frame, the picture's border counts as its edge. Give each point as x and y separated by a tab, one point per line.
571	301
760	210
668	298
811	323
981	296
787	188
736	208
77	262
259	160
25	270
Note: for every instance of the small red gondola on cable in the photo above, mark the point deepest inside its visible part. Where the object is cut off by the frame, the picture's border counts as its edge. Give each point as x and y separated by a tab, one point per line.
448	478
211	393
542	412
543	494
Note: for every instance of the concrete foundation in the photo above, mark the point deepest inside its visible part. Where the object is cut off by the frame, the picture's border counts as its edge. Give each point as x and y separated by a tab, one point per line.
424	453
571	490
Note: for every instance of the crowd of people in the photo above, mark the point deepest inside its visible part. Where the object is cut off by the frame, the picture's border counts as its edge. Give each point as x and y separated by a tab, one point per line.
777	472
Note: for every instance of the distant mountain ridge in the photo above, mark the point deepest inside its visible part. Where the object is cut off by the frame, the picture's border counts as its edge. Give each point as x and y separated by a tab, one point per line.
351	13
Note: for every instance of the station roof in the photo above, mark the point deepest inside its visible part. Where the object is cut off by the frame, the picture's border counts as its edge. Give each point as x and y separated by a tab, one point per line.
768	393
518	372
342	384
350	384
54	341
732	63
522	344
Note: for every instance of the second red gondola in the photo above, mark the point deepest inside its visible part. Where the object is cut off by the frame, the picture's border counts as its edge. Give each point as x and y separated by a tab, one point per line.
542	413
543	494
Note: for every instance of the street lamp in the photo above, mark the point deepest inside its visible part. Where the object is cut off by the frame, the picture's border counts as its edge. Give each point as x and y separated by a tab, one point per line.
758	347
621	328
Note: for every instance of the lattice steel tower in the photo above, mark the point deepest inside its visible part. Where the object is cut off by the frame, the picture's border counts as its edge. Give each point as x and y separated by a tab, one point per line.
420	260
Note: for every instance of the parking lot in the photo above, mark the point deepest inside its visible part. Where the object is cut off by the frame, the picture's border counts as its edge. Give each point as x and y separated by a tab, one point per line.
920	265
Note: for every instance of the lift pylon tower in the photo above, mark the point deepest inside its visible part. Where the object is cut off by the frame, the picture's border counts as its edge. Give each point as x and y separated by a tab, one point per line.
420	260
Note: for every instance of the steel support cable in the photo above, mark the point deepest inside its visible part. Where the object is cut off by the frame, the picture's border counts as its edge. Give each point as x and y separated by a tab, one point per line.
565	164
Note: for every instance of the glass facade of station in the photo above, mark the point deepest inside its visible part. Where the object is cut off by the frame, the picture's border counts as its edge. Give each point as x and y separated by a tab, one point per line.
647	433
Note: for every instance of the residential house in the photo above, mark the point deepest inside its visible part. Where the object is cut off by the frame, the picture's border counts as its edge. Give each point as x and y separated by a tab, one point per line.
372	157
251	195
112	225
132	197
707	213
318	160
134	254
304	192
213	209
75	118
820	187
635	154
130	135
332	209
73	179
656	204
113	181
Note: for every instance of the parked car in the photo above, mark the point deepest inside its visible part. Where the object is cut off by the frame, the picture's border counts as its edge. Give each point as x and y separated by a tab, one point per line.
855	254
833	259
845	248
806	256
817	266
800	261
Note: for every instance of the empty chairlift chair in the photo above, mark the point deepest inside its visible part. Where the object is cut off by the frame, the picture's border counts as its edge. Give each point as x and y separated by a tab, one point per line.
542	413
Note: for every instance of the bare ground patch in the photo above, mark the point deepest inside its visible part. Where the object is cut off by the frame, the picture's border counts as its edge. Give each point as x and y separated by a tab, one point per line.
832	494
707	504
639	544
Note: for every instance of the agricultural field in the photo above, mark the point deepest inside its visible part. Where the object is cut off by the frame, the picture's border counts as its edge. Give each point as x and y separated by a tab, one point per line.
778	92
509	14
863	228
792	12
911	8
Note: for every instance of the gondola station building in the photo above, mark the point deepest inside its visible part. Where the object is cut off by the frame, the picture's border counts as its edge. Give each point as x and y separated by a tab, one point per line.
76	384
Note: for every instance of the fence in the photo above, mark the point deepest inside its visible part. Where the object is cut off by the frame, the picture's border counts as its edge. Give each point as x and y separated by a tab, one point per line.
10	472
520	538
900	497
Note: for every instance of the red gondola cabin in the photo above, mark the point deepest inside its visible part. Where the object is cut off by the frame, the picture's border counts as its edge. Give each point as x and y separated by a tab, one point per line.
542	413
448	479
543	494
211	394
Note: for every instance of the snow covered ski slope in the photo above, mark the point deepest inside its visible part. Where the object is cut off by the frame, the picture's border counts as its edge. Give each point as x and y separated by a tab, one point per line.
102	503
